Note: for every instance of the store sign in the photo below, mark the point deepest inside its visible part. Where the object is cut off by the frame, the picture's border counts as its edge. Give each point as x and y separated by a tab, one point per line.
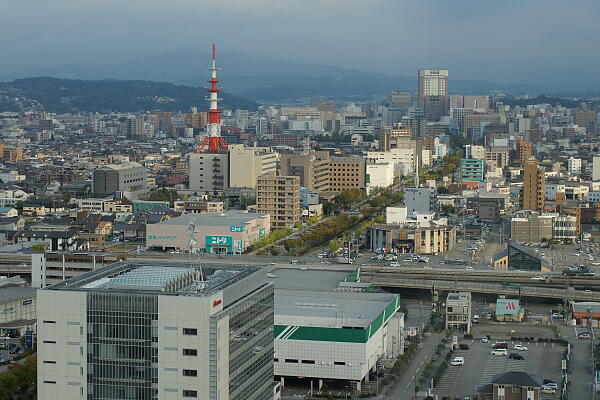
218	240
261	233
236	229
162	237
217	302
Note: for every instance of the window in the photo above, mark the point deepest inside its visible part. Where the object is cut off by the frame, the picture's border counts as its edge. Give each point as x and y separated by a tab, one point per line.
49	362
51	382
190	372
289	360
50	341
339	363
190	331
190	352
308	361
190	393
276	360
49	322
516	389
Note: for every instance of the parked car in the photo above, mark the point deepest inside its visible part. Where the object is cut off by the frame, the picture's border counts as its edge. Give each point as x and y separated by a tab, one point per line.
464	346
515	356
458	361
499	345
15	350
499	352
520	347
484	340
548	390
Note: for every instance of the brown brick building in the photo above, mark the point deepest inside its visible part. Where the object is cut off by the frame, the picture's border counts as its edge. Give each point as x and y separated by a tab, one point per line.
279	196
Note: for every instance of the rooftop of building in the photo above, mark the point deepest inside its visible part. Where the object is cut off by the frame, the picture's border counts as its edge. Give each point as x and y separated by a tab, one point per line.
330	309
121	167
214	219
586	306
16	293
172	278
305	278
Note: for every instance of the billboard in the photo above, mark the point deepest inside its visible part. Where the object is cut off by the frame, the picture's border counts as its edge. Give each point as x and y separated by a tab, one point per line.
508	307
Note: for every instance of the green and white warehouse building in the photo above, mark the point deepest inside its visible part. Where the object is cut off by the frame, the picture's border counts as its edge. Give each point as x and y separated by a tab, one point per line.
328	329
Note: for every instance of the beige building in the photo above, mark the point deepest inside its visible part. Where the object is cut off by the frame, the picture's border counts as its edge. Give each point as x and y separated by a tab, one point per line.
312	169
458	312
533	195
279	196
421	240
347	173
398	137
198	206
226	232
246	164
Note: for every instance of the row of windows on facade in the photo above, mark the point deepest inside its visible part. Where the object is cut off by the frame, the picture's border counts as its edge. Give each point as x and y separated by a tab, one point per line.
310	362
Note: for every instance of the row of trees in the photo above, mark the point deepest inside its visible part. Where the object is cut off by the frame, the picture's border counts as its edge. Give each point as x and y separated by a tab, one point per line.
20	381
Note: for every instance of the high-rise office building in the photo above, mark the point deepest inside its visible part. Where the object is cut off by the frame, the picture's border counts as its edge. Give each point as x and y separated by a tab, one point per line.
279	196
433	93
157	331
534	187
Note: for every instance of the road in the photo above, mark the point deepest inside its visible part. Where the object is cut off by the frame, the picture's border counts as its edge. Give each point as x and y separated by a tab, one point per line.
405	387
581	370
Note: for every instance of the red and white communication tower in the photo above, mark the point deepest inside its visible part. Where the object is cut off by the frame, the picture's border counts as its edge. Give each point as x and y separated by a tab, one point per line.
213	140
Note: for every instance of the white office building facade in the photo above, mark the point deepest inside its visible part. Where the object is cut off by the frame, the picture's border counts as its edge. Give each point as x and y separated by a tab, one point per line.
161	331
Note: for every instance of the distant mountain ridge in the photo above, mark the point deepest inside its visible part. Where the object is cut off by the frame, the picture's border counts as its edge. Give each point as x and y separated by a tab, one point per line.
73	95
263	78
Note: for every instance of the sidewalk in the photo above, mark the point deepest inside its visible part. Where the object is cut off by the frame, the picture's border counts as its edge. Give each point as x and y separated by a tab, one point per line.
404	388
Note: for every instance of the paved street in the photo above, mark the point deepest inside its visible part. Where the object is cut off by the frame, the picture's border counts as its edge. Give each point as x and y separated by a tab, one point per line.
405	387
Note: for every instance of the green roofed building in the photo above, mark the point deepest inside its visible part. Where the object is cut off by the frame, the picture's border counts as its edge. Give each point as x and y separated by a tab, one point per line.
329	325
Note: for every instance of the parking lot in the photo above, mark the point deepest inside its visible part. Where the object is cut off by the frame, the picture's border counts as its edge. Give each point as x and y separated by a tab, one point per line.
480	367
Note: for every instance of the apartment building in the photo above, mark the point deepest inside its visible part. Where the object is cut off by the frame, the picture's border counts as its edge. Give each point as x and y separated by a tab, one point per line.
157	331
459	312
534	187
279	196
312	169
346	173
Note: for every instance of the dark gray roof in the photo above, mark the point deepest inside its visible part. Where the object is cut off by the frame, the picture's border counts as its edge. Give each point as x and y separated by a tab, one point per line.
16	293
519	379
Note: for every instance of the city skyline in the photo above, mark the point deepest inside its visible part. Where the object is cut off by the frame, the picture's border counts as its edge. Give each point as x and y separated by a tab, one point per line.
385	37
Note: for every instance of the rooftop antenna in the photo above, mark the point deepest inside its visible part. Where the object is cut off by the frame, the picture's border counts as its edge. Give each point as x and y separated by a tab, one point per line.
193	248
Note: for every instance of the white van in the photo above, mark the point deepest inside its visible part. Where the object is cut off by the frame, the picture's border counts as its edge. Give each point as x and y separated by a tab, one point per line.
457	361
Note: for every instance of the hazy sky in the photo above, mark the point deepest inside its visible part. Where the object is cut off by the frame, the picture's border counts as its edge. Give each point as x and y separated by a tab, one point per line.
533	41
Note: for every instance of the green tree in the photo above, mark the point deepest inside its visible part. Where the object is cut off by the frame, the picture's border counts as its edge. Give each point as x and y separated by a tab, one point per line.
20	381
